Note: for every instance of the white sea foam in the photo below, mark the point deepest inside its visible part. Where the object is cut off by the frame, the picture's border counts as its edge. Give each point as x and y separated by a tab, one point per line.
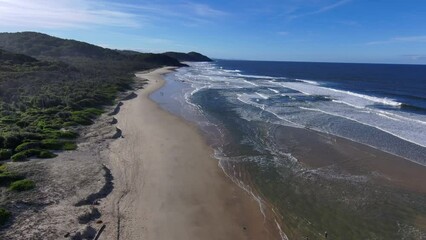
232	71
348	97
384	101
262	95
274	90
308	81
251	83
409	135
257	76
343	102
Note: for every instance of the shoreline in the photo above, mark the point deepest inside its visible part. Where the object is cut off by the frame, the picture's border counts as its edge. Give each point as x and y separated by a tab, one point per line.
341	173
167	185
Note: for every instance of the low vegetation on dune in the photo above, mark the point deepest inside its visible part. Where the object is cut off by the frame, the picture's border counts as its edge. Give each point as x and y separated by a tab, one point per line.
4	216
22	185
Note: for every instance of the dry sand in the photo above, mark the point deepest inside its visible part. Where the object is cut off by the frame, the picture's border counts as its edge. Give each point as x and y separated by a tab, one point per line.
167	185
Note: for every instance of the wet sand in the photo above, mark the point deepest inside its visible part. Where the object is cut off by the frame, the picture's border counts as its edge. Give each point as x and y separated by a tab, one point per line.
168	186
319	150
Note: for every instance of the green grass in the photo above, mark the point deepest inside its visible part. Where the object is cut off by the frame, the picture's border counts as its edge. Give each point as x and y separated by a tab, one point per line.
4	216
22	185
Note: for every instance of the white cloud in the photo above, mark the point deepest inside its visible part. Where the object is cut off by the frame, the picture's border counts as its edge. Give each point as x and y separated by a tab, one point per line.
407	39
415	57
62	13
332	6
203	10
86	13
321	10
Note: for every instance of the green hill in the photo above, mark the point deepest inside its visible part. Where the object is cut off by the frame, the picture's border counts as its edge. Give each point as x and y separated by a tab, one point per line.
188	57
45	47
13	58
41	45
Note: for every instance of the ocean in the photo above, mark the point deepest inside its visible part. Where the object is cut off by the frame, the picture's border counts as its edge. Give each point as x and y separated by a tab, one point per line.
383	106
247	110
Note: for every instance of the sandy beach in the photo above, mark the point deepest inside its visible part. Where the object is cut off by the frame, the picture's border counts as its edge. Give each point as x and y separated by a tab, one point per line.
167	185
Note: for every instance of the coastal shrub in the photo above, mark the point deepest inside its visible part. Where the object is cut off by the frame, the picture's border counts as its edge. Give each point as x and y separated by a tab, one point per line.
5	154
63	114
27	146
84	117
22	185
8	120
30	136
67	134
52	144
46	154
81	120
11	141
19	157
69	146
3	168
6	177
55	144
4	216
22	124
70	124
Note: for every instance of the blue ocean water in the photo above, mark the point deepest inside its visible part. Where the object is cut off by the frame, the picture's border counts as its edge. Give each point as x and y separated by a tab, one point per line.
380	105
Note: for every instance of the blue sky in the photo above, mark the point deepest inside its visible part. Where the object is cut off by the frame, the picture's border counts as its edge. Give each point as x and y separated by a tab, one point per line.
390	31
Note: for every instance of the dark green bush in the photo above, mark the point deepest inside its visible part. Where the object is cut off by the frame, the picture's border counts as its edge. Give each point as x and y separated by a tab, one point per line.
52	144
55	144
6	177
8	120
69	146
81	120
27	146
5	154
19	157
4	216
68	134
46	154
23	124
22	185
70	124
11	141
